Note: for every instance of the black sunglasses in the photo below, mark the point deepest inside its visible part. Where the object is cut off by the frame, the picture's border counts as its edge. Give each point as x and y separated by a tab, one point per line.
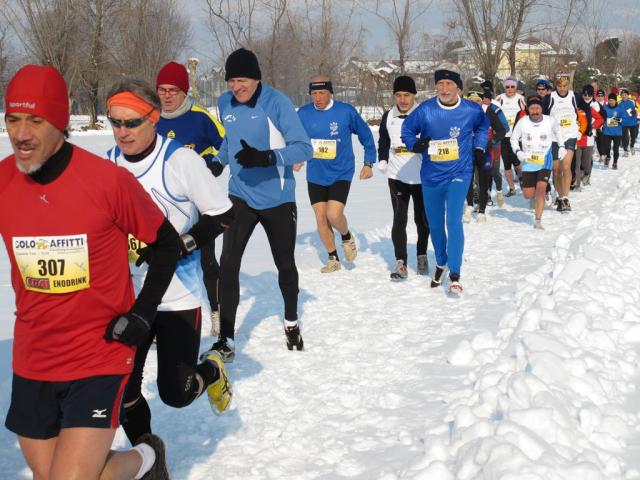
131	123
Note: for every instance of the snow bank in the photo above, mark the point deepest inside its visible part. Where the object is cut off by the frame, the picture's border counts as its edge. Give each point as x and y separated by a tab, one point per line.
546	395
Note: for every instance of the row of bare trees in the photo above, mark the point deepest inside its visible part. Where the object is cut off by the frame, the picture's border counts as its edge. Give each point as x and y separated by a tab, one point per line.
92	42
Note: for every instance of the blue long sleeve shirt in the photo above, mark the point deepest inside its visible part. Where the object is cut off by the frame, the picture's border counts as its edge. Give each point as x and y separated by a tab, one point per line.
196	129
629	113
612	116
330	131
266	122
454	132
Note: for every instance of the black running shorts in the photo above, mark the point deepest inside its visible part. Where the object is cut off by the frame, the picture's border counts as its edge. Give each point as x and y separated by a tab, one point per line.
530	179
41	409
337	191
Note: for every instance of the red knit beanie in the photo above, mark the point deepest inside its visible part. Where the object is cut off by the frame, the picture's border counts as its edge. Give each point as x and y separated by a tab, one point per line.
40	91
174	74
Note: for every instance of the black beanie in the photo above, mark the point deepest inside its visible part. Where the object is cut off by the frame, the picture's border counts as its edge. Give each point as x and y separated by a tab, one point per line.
588	90
487	85
242	63
487	93
404	84
448	75
613	96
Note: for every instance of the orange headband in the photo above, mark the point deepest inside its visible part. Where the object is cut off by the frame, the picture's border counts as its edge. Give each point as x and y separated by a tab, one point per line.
135	103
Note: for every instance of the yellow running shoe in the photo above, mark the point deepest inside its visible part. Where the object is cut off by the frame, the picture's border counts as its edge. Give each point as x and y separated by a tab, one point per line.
219	392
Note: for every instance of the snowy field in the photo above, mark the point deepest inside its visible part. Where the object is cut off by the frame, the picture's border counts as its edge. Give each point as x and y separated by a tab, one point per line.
531	374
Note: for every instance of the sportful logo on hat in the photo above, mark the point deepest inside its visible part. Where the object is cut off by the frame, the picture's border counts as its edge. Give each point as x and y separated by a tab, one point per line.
41	91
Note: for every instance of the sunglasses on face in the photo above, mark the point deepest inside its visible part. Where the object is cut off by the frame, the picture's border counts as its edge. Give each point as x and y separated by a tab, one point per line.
168	91
509	86
541	89
131	123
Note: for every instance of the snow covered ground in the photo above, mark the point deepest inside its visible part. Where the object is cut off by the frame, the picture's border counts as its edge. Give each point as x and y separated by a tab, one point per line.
530	374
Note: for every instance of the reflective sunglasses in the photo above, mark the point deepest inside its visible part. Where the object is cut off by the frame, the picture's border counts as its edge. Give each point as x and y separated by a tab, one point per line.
168	91
131	123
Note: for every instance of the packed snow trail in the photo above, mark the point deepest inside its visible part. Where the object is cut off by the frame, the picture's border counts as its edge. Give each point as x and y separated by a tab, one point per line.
385	367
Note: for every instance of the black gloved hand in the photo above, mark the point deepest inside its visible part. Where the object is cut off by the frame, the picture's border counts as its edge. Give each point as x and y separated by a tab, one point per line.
421	146
481	160
128	328
250	157
216	168
144	255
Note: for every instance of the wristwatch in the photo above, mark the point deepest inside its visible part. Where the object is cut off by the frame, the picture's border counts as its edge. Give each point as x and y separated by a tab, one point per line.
370	165
189	243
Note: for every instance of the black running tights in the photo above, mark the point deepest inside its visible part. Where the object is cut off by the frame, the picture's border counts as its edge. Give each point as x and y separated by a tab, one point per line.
401	193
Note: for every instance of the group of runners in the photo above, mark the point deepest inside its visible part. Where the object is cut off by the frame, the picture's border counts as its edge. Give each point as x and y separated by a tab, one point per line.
109	255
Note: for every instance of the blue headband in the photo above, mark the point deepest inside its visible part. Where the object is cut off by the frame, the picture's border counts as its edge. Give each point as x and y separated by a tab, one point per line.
321	86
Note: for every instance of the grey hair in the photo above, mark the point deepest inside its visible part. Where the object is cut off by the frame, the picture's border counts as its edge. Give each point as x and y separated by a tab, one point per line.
139	88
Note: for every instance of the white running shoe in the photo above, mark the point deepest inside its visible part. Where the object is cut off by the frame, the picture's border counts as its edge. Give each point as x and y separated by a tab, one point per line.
482	218
500	198
350	249
538	225
332	265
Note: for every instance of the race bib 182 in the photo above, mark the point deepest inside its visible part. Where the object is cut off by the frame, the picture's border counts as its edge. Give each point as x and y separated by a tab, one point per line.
324	149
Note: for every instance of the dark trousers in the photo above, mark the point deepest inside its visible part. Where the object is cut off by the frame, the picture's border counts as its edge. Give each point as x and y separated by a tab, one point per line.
279	224
483	182
210	272
177	343
606	145
629	135
401	193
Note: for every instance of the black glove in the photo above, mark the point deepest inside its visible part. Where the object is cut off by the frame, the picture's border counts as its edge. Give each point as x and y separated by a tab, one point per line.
481	160
421	146
144	255
216	168
250	157
128	328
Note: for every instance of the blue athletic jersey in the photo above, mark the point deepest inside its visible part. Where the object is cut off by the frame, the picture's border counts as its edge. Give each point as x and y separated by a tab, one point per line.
629	113
330	131
612	117
454	132
267	122
196	129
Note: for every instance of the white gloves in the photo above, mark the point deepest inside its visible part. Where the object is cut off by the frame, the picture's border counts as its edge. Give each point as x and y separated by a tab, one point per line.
382	165
521	156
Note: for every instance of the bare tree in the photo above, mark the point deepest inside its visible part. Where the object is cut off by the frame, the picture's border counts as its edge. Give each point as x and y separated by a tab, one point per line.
401	18
490	25
231	24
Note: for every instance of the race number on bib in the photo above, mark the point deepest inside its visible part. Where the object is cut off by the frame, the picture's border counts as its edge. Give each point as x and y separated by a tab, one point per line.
402	150
134	245
536	158
511	121
324	149
57	264
612	122
567	121
444	150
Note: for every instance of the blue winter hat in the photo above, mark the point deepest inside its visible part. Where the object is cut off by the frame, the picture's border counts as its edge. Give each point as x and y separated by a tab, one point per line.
448	75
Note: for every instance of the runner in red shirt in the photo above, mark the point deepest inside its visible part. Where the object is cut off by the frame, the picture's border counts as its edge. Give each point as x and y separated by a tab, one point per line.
65	224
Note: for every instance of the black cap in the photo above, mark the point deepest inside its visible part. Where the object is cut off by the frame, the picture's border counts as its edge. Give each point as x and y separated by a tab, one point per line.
487	85
613	96
534	100
448	75
588	90
487	93
242	63
624	90
404	83
601	92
